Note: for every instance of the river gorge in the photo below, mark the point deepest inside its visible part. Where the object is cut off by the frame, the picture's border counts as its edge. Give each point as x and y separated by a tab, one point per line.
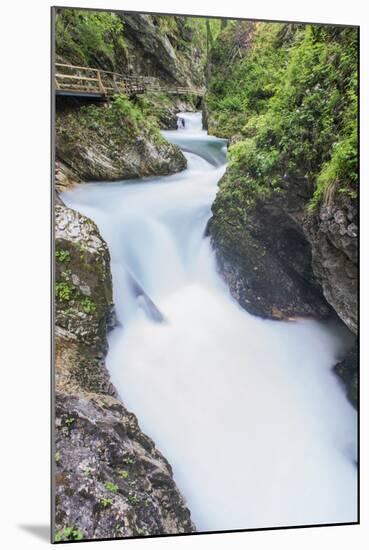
248	411
206	275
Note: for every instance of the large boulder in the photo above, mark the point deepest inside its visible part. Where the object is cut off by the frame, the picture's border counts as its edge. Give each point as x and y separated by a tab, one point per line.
103	143
110	480
264	256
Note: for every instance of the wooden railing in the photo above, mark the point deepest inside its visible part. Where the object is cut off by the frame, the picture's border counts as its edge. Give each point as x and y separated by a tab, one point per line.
88	81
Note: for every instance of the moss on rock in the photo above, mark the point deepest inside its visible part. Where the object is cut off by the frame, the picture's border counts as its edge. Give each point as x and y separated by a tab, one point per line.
113	142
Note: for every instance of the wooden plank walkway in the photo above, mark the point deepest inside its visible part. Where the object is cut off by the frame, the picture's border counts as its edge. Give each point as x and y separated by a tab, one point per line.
74	80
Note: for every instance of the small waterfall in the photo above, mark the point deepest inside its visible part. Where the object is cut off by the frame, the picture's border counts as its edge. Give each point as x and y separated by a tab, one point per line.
191	122
247	411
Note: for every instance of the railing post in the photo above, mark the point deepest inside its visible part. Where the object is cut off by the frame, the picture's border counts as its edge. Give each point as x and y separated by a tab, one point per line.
101	85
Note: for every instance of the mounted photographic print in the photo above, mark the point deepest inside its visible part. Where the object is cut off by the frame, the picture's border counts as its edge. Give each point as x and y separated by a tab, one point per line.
205	274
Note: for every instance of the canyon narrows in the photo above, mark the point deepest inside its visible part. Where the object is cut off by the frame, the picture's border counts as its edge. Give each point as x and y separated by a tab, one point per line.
248	411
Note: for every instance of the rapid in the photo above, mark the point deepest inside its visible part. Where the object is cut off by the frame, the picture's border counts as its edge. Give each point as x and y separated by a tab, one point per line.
247	411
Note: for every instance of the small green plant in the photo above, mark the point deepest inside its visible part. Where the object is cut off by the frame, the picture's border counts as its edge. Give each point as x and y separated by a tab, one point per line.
64	291
88	305
111	486
69	421
124	474
57	457
68	533
129	460
62	256
133	498
105	502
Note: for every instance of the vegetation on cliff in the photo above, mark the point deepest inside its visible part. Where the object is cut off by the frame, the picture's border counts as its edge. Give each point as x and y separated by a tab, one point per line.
113	142
88	38
287	96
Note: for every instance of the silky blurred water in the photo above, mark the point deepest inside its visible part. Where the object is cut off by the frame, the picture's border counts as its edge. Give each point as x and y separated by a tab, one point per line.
247	411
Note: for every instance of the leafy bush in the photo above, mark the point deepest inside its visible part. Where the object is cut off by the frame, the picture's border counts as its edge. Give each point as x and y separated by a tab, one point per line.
88	305
111	486
64	291
90	38
106	502
68	534
290	98
62	256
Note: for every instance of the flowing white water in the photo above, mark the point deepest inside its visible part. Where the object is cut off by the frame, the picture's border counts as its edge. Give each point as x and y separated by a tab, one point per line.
247	411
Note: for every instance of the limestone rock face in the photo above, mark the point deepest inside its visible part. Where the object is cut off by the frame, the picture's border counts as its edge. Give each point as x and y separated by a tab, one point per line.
154	52
333	237
110	480
265	258
83	279
99	144
280	260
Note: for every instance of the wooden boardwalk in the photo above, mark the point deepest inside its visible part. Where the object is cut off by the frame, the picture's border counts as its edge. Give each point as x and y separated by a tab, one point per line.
72	80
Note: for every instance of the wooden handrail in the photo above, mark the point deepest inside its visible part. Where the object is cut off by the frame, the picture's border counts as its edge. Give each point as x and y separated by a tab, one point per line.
78	67
74	77
75	67
109	83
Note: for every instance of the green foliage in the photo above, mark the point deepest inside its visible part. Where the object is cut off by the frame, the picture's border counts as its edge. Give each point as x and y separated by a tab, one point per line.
105	502
290	97
133	498
64	291
123	106
57	457
111	486
124	474
88	305
68	534
62	256
123	120
339	171
69	421
154	106
90	38
244	78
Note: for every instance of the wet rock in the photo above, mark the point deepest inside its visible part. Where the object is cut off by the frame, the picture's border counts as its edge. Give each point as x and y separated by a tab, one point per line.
265	259
347	370
333	239
110	480
305	264
154	51
99	144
